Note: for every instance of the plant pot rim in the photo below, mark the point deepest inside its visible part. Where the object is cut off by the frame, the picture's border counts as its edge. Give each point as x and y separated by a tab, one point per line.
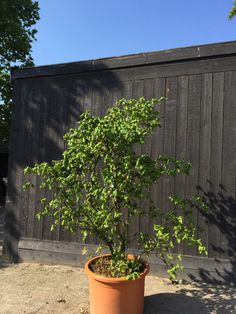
105	279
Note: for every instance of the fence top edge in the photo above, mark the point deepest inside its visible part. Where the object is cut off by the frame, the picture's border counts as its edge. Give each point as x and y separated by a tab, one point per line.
132	60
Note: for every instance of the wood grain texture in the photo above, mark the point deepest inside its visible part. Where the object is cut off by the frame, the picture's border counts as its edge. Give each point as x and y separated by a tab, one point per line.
205	148
169	139
216	163
227	195
198	124
193	134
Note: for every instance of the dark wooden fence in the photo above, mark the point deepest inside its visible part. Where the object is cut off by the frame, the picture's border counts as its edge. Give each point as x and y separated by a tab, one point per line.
199	124
3	175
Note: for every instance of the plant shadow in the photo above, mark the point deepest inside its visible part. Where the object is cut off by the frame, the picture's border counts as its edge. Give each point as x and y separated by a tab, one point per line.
221	217
202	299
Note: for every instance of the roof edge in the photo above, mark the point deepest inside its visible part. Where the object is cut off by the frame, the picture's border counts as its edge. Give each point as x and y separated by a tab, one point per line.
140	59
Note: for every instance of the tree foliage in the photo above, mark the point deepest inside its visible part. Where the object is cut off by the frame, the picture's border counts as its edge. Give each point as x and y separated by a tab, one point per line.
17	18
232	13
98	184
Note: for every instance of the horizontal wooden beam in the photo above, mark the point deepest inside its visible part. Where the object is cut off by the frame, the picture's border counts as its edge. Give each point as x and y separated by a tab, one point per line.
141	59
195	268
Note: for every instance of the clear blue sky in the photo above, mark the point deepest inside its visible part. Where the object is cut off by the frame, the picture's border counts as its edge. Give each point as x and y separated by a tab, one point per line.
74	30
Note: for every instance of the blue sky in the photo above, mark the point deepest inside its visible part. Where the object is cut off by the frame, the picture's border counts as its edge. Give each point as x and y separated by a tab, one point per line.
74	30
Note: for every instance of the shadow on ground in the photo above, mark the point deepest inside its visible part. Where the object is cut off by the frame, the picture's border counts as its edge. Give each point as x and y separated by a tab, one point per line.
200	300
3	264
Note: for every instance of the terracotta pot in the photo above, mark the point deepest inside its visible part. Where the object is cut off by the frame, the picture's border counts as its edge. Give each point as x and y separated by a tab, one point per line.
116	295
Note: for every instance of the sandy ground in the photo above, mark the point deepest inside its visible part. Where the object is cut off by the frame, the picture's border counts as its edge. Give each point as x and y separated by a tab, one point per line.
55	289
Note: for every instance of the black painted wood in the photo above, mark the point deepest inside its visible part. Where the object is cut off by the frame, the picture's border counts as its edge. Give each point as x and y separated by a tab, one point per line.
216	162
193	134
198	123
171	55
70	253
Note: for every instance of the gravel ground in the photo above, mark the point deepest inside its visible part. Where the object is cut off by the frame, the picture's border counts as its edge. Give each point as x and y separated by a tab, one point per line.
55	289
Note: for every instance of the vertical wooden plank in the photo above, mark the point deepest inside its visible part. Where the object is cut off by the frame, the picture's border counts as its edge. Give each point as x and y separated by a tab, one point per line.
137	92
33	127
77	100
126	92
38	224
193	129
169	137
47	156
83	95
205	153
181	137
146	149
106	98
54	142
137	89
228	203
87	97
216	165
42	155
13	198
73	94
26	158
95	110
181	128
70	102
157	145
83	101
116	92
126	89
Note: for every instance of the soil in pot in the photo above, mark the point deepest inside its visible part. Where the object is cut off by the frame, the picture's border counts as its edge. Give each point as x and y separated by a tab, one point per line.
103	266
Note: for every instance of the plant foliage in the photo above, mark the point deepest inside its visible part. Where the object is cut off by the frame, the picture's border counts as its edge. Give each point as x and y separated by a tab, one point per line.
98	184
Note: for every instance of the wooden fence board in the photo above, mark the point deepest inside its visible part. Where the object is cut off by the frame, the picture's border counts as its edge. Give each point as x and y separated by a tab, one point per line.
169	138
227	197
205	146
193	129
216	163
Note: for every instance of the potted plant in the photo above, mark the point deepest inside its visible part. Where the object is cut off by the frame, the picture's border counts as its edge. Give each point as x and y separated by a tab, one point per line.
97	187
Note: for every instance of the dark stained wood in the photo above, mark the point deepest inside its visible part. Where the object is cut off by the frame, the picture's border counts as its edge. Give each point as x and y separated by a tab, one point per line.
205	148
116	93
137	92
198	124
157	145
169	138
216	163
48	155
193	129
181	54
70	253
96	109
40	155
33	135
107	98
146	149
227	195
181	136
12	226
127	89
26	158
